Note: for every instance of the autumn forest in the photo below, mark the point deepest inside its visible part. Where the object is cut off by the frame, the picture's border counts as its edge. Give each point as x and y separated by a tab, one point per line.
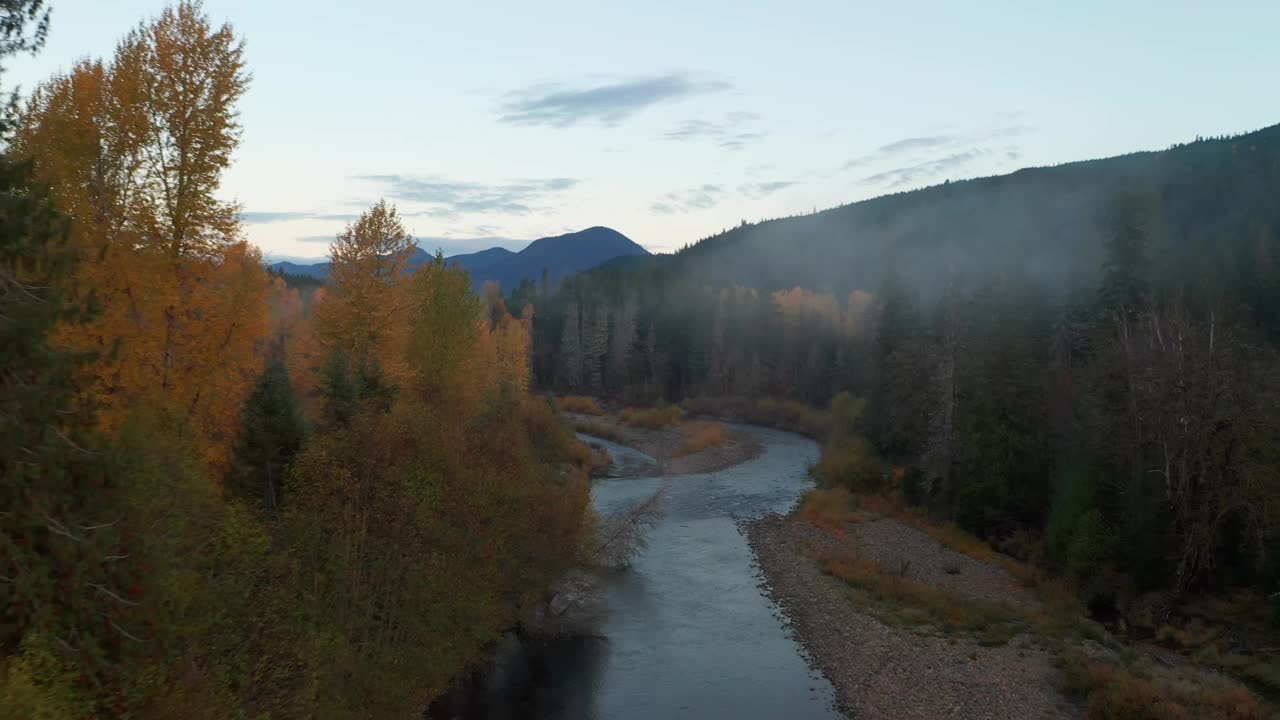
222	497
234	492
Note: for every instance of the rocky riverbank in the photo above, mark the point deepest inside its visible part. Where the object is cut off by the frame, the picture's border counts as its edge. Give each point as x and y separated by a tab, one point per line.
664	445
882	671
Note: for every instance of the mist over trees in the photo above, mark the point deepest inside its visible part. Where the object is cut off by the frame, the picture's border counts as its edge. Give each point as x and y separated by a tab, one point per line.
1078	360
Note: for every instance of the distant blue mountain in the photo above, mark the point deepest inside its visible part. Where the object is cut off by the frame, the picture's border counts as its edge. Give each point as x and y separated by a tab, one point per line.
318	270
480	261
559	256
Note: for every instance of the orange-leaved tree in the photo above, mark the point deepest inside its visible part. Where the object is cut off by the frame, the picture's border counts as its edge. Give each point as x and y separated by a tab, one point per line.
134	151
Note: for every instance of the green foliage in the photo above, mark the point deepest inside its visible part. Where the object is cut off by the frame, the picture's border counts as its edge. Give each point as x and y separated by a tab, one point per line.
850	463
1126	270
848	460
1091	545
1074	495
65	575
273	432
345	385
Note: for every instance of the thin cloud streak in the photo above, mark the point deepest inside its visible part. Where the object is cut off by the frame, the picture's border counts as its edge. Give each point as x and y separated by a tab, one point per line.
264	217
451	198
897	177
765	189
703	197
608	104
733	132
911	145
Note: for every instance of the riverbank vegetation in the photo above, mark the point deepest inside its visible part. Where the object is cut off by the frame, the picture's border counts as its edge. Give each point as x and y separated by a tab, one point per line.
699	435
1113	425
226	495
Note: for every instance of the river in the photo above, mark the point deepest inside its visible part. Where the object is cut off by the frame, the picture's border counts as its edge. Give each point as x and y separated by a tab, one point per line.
689	632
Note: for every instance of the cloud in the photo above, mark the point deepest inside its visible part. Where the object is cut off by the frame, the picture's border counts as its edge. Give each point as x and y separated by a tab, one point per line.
911	145
897	177
900	147
764	189
316	238
703	197
451	198
915	143
608	104
264	217
257	218
733	132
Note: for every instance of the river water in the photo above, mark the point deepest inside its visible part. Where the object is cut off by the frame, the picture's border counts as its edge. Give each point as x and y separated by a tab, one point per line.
689	632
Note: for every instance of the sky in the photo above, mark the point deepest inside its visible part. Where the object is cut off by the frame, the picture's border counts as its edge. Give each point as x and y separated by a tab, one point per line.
495	123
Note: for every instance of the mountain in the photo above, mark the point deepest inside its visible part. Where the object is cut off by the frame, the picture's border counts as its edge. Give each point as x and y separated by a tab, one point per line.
317	270
1211	197
478	261
1209	211
559	256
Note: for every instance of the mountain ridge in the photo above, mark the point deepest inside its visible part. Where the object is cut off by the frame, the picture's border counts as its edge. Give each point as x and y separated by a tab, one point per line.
559	256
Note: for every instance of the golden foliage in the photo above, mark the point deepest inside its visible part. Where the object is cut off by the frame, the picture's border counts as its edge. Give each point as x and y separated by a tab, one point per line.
580	404
656	418
134	151
699	435
830	509
368	270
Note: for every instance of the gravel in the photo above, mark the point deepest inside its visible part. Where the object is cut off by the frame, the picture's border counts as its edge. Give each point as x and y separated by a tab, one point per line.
896	546
661	445
880	671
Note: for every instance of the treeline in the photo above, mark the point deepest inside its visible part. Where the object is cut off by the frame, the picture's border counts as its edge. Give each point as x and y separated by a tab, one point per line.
1122	428
222	497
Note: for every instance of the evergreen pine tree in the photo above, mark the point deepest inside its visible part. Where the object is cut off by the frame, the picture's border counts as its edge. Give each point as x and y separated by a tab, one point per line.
273	433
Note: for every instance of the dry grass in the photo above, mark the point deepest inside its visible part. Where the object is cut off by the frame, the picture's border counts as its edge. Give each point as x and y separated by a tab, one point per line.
1113	691
830	510
898	600
597	429
656	418
950	535
1060	615
782	414
580	404
701	435
1234	632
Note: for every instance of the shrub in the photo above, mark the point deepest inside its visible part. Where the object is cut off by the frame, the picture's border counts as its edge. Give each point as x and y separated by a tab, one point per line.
657	418
580	404
1117	692
897	599
597	429
781	414
831	509
701	435
850	463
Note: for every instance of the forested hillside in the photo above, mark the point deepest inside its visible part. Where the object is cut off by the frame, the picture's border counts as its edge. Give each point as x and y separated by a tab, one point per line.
1078	362
222	497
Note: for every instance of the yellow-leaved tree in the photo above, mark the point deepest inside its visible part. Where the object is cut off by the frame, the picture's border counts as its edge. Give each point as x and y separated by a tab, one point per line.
134	150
